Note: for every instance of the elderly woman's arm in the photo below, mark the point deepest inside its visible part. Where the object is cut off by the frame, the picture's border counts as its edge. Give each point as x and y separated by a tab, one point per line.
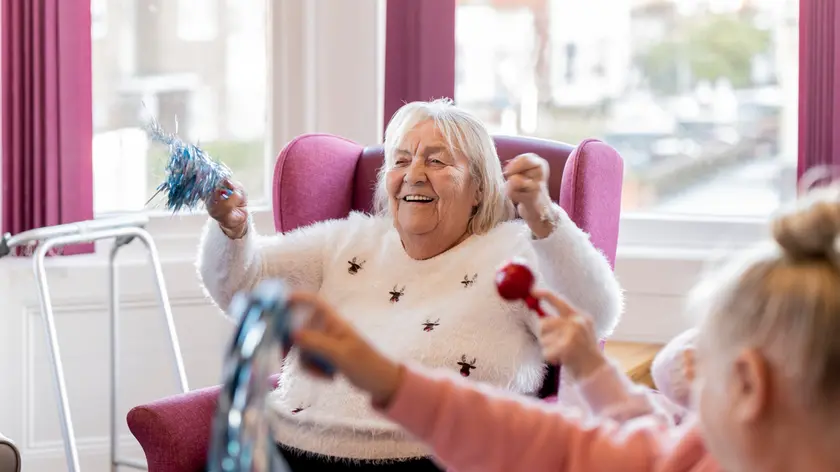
226	266
573	267
568	262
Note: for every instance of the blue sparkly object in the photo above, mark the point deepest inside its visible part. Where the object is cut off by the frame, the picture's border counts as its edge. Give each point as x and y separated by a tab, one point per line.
191	174
241	438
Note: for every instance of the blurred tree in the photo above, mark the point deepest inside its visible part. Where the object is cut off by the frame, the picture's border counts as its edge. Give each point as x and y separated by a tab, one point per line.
706	48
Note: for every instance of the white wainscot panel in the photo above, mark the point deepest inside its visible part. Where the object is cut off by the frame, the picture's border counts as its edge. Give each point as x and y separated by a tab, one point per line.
655	289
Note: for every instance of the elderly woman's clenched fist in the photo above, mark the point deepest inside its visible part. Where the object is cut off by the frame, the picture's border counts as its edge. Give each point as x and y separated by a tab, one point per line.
229	206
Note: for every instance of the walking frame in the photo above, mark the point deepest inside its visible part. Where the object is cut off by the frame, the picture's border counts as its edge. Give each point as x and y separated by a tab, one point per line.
122	230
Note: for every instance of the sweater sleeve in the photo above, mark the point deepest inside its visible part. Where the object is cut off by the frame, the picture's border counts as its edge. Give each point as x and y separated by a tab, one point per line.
573	267
472	428
669	370
610	394
227	266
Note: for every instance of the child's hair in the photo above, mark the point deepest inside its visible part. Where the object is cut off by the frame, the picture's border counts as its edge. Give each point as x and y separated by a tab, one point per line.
784	298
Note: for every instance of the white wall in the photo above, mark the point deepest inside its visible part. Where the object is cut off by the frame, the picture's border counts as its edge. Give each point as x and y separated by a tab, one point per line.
655	281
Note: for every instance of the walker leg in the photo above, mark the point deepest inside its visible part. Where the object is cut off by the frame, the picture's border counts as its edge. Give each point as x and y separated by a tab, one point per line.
116	462
70	451
163	297
114	346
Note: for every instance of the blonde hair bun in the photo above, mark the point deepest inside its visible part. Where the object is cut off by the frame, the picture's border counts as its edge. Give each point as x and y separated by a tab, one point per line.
812	228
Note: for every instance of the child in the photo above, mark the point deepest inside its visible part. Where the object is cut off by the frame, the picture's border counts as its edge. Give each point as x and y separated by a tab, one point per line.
767	377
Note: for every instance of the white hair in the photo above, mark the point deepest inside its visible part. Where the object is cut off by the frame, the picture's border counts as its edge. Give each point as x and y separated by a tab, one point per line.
464	134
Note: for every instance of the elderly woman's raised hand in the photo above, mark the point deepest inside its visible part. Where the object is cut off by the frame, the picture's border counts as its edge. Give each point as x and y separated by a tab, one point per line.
229	206
527	187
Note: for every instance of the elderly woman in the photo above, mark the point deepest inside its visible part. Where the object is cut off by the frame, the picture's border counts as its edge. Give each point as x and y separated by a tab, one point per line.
416	279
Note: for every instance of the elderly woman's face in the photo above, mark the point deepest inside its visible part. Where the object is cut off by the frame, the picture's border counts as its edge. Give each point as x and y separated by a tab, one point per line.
431	190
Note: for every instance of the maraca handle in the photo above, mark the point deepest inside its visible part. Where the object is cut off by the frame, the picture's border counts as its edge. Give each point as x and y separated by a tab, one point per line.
534	304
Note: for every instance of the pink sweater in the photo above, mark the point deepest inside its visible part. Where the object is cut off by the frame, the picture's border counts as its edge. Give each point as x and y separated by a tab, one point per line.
475	428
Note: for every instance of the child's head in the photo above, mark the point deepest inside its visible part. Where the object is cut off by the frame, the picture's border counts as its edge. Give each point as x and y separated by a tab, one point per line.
769	343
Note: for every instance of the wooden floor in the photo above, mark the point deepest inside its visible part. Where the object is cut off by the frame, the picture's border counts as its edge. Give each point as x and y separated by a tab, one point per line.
634	358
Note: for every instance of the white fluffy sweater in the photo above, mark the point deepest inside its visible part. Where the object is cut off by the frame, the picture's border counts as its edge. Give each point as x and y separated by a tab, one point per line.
442	312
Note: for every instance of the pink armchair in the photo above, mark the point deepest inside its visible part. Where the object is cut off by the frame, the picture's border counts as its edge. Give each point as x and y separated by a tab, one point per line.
319	176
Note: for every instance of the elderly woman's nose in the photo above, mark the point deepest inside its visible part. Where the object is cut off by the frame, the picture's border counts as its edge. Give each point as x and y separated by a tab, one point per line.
416	172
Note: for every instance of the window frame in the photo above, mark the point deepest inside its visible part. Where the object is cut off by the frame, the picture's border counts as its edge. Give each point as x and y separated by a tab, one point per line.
673	236
171	227
301	83
172	230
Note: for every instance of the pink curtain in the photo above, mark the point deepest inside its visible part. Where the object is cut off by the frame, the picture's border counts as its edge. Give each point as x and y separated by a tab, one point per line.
419	52
819	84
47	124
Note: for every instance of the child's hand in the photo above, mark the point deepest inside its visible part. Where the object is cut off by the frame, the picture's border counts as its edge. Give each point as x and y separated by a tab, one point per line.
327	335
569	338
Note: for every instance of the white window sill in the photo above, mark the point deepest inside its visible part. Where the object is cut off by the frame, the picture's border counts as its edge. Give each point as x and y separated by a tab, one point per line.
176	238
666	236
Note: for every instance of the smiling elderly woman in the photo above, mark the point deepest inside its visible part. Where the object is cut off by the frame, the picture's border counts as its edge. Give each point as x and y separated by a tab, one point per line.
416	279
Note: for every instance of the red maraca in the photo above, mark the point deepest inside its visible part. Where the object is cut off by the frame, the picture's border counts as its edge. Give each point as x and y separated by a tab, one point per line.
515	281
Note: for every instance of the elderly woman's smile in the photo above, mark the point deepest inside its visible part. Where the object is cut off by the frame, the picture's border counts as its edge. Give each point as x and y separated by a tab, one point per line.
415	198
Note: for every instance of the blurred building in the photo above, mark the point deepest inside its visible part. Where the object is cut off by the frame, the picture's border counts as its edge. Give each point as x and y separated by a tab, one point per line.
590	52
693	93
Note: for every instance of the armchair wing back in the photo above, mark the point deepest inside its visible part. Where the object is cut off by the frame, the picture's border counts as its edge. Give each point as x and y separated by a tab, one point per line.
322	176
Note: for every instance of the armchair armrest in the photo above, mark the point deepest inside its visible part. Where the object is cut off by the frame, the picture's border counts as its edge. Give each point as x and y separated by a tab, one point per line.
175	432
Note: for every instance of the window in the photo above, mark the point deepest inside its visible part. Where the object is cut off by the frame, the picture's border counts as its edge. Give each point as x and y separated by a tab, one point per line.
98	19
215	85
571	54
198	19
698	96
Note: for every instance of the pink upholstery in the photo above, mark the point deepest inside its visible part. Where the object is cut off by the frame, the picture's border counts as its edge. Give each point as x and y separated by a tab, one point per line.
175	431
313	180
320	176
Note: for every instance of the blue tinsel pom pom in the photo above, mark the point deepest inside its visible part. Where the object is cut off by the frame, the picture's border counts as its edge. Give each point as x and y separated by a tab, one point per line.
191	174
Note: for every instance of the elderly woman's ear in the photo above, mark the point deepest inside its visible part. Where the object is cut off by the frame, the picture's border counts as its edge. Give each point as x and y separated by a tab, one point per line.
479	196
